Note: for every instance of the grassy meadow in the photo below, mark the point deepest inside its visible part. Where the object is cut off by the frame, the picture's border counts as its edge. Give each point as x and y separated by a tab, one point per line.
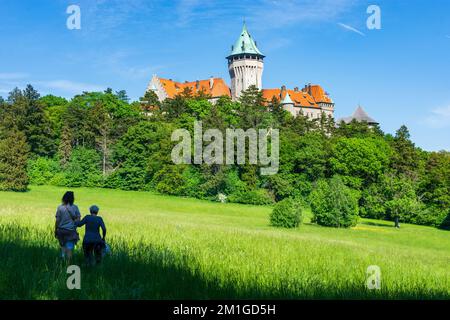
174	248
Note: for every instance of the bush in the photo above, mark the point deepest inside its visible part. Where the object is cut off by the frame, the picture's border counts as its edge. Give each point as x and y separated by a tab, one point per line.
42	170
286	214
333	204
169	180
127	178
83	169
255	196
373	203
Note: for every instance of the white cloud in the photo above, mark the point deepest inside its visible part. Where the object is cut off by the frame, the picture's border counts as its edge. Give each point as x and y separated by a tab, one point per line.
118	63
186	11
439	118
70	86
13	76
350	28
276	14
99	17
262	14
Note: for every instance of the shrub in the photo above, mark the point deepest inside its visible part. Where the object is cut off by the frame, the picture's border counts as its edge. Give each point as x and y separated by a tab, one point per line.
373	203
333	204
83	169
286	214
255	196
42	170
127	178
169	180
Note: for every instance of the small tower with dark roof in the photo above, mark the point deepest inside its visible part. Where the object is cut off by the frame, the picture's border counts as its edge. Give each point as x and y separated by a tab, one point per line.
360	116
245	64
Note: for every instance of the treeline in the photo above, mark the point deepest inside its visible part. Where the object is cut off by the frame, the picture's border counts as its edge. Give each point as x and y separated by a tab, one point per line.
100	139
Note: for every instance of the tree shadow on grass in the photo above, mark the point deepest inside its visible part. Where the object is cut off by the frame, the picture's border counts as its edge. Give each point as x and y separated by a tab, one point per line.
31	269
377	224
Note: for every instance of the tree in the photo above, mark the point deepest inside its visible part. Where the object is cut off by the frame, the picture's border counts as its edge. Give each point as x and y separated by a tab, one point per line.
37	126
150	101
400	198
54	108
253	112
406	159
83	168
434	186
400	207
357	129
360	161
13	160
65	146
333	204
102	125
122	96
139	154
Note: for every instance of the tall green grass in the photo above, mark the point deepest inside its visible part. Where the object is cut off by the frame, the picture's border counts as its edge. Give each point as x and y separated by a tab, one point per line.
175	248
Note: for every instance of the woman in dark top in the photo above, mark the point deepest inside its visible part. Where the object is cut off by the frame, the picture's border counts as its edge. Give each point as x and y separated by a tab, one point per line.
93	243
65	230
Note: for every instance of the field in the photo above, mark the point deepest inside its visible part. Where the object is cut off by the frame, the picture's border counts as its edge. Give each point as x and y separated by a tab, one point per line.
175	248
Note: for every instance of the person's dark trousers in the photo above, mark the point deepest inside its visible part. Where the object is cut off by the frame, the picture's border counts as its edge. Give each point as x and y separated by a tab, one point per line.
92	250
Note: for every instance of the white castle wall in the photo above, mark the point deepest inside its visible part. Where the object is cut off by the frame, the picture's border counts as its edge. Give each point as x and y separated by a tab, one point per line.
243	74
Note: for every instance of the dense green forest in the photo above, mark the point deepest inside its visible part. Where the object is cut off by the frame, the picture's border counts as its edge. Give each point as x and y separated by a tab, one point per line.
100	139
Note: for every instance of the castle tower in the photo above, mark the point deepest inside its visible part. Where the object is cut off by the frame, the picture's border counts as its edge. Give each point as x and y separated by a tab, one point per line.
245	64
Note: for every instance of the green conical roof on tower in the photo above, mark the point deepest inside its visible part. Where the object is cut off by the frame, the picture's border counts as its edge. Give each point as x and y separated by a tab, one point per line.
245	44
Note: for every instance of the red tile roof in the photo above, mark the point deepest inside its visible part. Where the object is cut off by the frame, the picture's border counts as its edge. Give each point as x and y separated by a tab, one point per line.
310	96
219	87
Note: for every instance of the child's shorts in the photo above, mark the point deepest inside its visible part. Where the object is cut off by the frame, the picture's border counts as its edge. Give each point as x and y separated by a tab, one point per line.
70	245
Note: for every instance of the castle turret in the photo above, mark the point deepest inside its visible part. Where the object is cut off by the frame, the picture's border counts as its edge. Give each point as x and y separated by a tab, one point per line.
245	64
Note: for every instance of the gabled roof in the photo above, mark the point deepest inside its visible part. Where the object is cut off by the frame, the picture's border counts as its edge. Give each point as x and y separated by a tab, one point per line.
317	92
245	44
215	87
300	98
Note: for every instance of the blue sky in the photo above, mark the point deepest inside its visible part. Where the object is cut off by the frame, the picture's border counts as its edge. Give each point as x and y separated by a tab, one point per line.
399	74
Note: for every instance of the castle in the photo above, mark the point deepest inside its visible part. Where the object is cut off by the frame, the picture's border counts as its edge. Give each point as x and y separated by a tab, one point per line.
246	66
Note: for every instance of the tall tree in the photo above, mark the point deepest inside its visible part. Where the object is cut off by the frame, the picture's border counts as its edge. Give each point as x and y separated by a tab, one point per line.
406	159
253	111
102	125
37	126
122	95
65	146
13	160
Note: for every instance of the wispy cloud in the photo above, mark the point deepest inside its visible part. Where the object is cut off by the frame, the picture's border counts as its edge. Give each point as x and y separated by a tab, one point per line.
264	14
10	80
100	17
439	118
69	86
13	76
350	28
119	63
186	10
277	43
277	14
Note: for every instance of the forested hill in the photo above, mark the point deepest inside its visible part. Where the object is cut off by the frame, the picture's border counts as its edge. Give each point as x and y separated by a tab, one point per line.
100	139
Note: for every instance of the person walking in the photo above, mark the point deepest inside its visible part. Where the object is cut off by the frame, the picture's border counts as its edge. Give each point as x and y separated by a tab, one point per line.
93	243
65	230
